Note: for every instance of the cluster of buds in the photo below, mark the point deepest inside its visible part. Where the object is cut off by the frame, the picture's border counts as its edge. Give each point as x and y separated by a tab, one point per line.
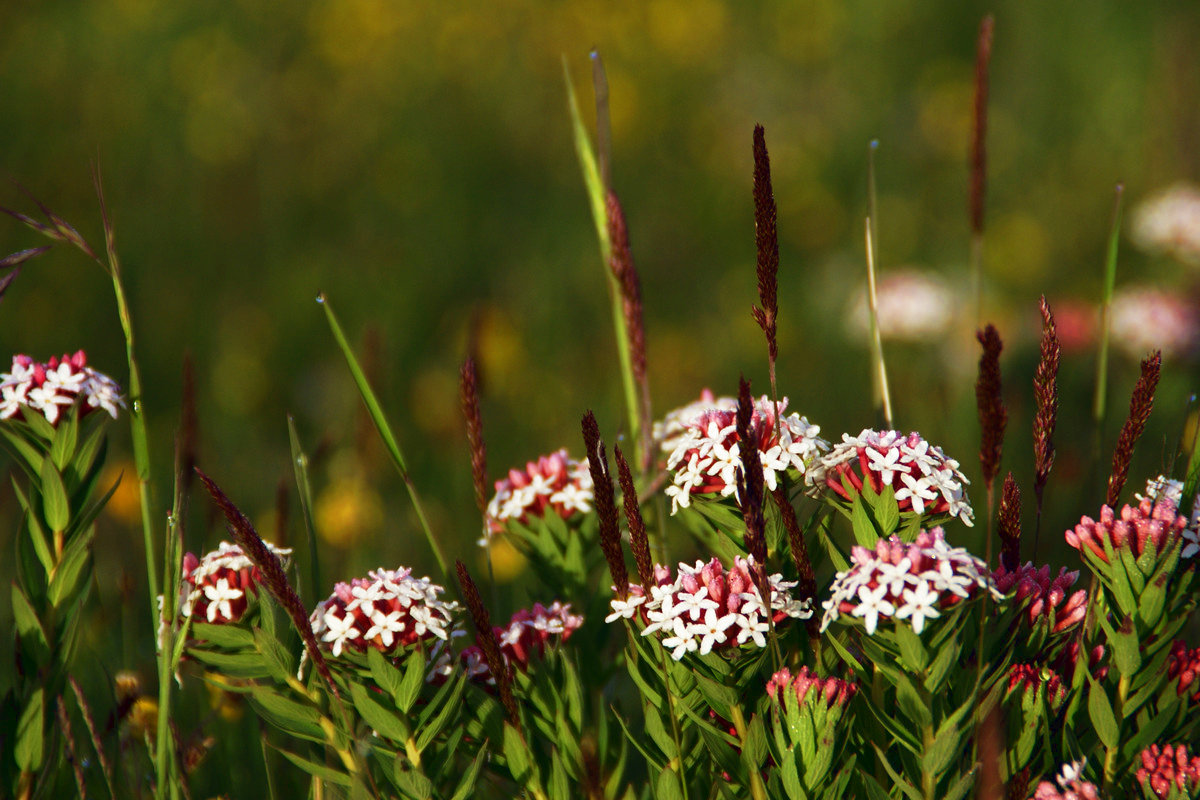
913	581
1169	771
707	458
47	388
924	480
216	587
529	634
1042	596
1183	666
705	608
1149	524
828	691
1068	660
1071	785
1033	681
555	483
388	610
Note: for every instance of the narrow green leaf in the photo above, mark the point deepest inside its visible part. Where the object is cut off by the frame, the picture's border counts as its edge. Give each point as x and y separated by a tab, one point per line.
235	665
942	750
517	754
62	447
66	581
959	790
382	720
55	507
887	511
29	628
275	655
1101	714
30	727
304	487
431	727
666	786
36	535
466	786
414	679
865	532
25	453
559	786
317	770
898	780
231	637
911	649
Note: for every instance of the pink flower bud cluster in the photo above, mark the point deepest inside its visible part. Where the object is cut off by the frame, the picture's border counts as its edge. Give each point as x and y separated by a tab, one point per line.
388	610
707	456
529	634
1167	767
913	581
832	691
554	482
1071	785
1138	528
1032	678
216	587
924	479
705	608
48	388
671	429
1183	665
1067	660
1042	596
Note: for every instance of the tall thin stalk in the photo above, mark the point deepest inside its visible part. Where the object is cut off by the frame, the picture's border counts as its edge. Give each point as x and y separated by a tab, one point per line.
983	58
1100	395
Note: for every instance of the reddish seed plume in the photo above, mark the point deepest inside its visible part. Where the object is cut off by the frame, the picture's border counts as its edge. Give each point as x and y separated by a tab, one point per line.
606	506
1140	406
983	57
1009	524
806	581
18	258
1045	392
274	578
621	263
751	479
485	637
638	541
766	240
469	396
993	416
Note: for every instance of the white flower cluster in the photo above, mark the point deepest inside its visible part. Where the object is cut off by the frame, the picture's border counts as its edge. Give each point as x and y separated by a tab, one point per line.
215	586
706	608
670	430
707	456
924	479
387	610
912	305
556	482
900	581
1169	222
48	388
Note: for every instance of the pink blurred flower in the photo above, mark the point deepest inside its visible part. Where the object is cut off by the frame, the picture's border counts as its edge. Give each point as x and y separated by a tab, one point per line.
1071	785
49	388
1145	319
554	482
1043	597
913	305
1169	222
1138	527
1166	767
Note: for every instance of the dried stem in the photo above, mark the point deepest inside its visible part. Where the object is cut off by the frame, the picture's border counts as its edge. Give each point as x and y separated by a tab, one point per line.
606	505
766	240
1045	392
1140	406
638	541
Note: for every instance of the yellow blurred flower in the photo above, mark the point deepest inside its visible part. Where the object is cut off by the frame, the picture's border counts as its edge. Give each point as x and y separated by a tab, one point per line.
227	704
125	505
507	561
346	510
143	718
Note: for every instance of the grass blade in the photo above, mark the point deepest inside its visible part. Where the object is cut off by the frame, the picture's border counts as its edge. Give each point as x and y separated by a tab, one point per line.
300	465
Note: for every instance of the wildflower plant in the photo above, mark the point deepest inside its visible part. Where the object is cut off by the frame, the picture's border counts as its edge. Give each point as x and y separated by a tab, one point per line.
737	609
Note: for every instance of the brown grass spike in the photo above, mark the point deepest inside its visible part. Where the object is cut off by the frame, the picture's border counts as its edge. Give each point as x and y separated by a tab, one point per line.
274	578
993	416
623	269
983	57
751	494
766	240
606	505
1009	524
1045	393
485	636
1140	406
469	395
638	541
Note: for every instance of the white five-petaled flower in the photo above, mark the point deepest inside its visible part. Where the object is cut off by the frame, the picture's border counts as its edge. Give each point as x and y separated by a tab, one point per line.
871	604
339	630
625	609
919	604
384	626
219	597
712	630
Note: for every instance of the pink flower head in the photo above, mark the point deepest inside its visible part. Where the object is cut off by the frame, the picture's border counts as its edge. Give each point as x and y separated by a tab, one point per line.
1167	767
47	389
1138	527
1030	678
1071	785
216	588
555	482
528	635
1043	598
924	479
912	581
830	691
707	457
1183	666
388	610
706	607
672	428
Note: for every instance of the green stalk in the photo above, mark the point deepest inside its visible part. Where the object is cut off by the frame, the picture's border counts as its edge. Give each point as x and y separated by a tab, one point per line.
883	397
594	184
385	431
300	467
1191	479
1110	279
1110	753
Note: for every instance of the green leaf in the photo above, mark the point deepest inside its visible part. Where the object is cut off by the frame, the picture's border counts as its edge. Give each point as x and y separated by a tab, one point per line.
667	787
26	454
29	747
865	532
960	789
657	731
413	783
29	627
911	649
414	679
466	786
432	726
942	750
65	583
55	507
386	676
230	637
1127	656
1101	714
716	695
898	780
559	787
911	704
235	665
887	511
274	654
316	770
517	754
62	447
381	719
37	536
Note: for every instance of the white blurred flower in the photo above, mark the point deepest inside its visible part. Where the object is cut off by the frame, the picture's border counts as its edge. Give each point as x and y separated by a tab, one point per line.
1169	222
1145	319
913	306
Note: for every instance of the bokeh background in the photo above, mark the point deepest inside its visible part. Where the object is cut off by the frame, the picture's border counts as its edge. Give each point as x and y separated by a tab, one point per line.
414	160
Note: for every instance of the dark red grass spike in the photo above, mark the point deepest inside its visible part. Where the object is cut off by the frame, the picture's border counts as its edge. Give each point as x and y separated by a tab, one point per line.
1140	406
766	240
626	274
606	506
983	57
469	396
1045	390
1009	524
751	493
993	416
485	637
638	541
274	578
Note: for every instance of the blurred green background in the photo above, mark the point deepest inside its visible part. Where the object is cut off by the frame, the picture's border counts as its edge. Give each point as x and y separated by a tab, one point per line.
414	161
